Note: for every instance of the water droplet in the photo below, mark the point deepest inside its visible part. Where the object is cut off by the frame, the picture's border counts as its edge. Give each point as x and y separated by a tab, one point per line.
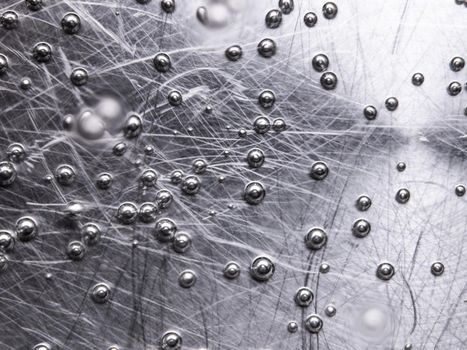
16	152
313	323
320	62
127	213
231	270
34	5
316	238
104	181
385	271
71	23
191	185
330	10
149	177
100	293
181	242
310	19
255	158
168	6
42	52
90	233
147	212
370	112
7	242
266	99
26	229
328	81
254	193
319	170
133	126
303	297
460	190
437	268
267	48
162	62
171	341
187	279
261	125
262	268
363	203
199	166
65	175
361	228
273	19
286	6
330	310
292	326
165	230
119	149
9	20
403	196
391	103
454	88
457	64
75	250
3	63
418	79
79	76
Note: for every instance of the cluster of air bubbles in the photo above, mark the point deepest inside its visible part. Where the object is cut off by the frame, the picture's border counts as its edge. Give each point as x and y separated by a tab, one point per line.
71	23
454	88
313	323
231	270
187	279
266	99
391	104
79	76
34	5
402	196
175	98
315	238
401	166
168	6
361	228
319	170
320	62
254	193
330	10
127	213
437	268
385	271
460	190
262	268
191	185
3	64
304	297
76	250
171	341
65	174
100	293
9	19
363	202
328	81
233	53
418	79
255	158
267	48
162	62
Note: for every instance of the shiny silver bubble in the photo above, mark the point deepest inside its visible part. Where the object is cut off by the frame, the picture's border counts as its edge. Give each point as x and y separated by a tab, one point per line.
261	125
304	297
75	250
68	122
242	132
320	62
147	212
90	125
292	326
361	228
370	112
385	271
7	173
3	63
73	209
273	18
262	268
133	126
191	185
171	341
403	195
119	149
149	177
42	346
175	98
199	166
25	83
401	166
266	99
324	267
26	228
315	238
267	48
162	62
286	6
9	19
310	19
90	233
328	81
71	23
101	293
330	310
391	103
330	10
278	125
7	241
3	262
127	213
231	270
34	5
460	190
104	181
418	79
187	279
65	175
457	64
163	199
437	268
176	176
79	76
16	152
233	53
255	158
168	6
254	193
363	202
313	323
42	52
165	230
454	88
319	170
181	242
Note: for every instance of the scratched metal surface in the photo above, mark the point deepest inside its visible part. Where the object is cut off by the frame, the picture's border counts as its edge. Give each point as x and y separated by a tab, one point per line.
374	48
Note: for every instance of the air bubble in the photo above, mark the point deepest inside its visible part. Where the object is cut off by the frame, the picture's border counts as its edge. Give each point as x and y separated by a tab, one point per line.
163	199
162	62
278	125
286	6
231	270
147	212
316	238
171	341
65	175
330	310
75	250
403	196
199	166
42	346
310	19
34	5
233	53
9	20
119	149
319	171
3	63
133	126
168	6
454	88
149	177
261	125
370	112
313	323
328	81
457	64
165	230
187	279
25	83
266	99
71	23
181	242
324	267
391	104
437	268
262	269
100	293
361	228
267	48
16	152
273	19
254	193
191	185
460	190
330	10
26	228
176	176
42	52
385	271
401	166
90	233
363	203
7	242
79	76
418	79
304	297
104	181
255	158
127	213
292	327
175	98
320	62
